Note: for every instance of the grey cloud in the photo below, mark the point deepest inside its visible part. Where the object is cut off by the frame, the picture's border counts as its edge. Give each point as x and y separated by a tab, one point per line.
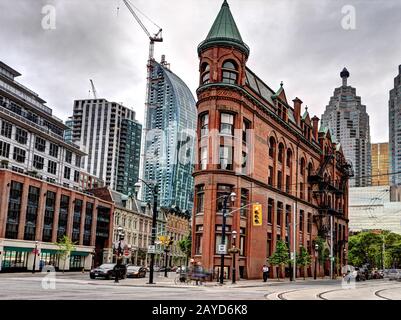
300	42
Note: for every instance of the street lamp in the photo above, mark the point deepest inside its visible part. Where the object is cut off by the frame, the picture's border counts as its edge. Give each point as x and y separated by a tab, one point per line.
34	257
120	232
232	197
316	255
154	218
234	250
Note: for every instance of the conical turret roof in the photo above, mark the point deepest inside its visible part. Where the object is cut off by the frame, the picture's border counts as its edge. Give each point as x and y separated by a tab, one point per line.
224	31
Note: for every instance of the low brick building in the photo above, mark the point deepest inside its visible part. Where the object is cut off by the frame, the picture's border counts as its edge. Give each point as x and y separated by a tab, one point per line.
253	142
34	212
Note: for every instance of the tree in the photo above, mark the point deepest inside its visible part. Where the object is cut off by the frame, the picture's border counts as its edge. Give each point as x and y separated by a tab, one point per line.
280	256
185	246
303	258
65	246
366	248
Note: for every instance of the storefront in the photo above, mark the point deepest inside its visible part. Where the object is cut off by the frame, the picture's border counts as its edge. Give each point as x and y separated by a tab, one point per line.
15	259
48	257
77	260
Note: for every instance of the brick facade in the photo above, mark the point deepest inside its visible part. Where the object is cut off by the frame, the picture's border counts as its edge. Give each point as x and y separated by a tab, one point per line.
288	160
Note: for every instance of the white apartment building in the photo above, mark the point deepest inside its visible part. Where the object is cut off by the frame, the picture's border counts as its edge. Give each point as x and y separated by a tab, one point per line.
31	137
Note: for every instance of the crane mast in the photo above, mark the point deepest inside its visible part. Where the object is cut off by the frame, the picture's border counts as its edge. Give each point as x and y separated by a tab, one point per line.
157	37
93	89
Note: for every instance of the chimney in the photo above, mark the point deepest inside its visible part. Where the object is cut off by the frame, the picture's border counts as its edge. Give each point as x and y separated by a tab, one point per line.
297	110
315	127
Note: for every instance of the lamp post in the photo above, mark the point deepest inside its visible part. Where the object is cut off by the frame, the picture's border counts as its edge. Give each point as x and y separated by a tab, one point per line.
34	257
234	250
232	197
345	260
316	257
119	254
154	218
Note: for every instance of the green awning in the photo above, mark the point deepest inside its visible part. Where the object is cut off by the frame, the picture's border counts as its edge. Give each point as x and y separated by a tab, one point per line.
18	249
49	251
79	253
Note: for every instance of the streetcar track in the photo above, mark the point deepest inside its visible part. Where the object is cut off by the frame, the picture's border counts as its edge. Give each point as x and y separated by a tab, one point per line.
377	293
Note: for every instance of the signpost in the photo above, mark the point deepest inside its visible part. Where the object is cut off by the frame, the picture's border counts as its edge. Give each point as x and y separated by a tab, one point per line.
151	249
222	249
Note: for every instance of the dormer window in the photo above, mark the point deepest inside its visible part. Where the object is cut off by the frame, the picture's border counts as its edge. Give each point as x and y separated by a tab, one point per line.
205	73
229	72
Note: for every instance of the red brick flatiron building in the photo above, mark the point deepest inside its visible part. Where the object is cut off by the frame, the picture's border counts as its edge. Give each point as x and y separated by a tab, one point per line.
257	145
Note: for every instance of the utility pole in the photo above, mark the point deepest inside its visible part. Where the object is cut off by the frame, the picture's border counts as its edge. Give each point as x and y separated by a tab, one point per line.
331	247
294	249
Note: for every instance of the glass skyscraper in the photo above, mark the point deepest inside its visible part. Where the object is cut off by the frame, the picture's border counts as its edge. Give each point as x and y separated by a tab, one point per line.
394	117
169	138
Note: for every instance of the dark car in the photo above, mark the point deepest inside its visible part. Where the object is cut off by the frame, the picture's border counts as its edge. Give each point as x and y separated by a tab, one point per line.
360	274
136	272
108	271
162	269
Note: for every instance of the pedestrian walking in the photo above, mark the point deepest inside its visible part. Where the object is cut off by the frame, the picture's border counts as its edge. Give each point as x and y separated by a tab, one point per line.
265	271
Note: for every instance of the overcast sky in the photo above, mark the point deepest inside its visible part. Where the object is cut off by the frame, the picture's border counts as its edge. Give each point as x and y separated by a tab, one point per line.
299	42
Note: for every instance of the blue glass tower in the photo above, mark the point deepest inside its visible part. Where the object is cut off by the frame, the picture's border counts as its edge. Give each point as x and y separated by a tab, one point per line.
169	138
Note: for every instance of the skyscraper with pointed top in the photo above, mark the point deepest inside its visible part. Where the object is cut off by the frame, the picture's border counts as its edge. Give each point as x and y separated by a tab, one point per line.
348	121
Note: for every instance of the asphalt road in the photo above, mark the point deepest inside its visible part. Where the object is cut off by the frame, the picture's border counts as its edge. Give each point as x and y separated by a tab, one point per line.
70	286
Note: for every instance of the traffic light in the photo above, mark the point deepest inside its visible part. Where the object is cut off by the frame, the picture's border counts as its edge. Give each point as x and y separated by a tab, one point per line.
257	214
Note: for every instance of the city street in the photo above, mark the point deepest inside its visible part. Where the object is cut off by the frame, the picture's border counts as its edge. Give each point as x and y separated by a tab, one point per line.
78	286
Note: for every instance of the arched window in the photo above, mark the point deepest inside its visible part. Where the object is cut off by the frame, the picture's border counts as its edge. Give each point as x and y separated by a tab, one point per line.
280	152
289	158
204	124
310	169
272	147
302	169
205	73
229	72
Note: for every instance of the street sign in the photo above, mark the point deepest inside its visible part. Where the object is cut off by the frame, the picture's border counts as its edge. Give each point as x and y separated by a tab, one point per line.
222	249
151	249
292	255
126	253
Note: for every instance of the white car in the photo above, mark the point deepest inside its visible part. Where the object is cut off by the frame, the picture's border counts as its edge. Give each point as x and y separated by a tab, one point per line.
394	274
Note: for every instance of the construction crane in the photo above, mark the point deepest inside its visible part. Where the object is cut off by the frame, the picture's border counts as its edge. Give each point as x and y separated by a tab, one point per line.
157	37
93	89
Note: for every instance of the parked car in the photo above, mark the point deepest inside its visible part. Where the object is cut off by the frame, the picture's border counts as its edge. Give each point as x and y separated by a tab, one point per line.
394	274
107	271
360	274
376	274
162	269
136	272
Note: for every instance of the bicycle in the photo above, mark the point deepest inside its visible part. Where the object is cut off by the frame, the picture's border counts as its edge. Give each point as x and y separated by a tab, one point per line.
183	279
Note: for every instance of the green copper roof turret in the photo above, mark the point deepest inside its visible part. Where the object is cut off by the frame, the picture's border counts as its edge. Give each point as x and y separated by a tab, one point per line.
224	32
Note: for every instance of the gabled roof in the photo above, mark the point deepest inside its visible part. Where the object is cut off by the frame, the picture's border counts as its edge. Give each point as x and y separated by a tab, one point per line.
224	31
281	94
306	117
